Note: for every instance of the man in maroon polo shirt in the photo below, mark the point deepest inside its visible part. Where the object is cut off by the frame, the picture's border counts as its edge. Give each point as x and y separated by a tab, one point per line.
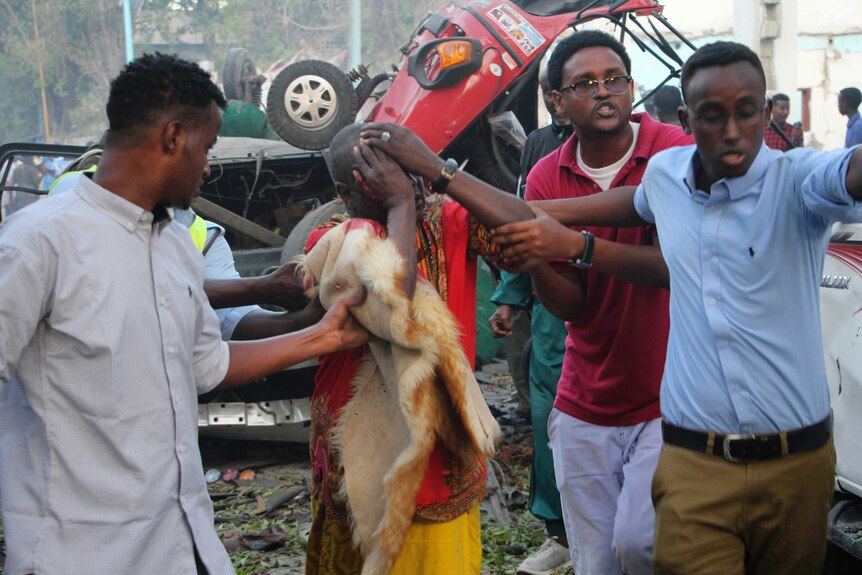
605	428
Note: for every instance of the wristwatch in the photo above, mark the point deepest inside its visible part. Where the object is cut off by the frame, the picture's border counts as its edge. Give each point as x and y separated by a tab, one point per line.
446	175
585	261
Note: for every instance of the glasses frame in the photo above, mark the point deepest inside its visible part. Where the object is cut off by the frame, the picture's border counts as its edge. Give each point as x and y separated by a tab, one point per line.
743	123
595	86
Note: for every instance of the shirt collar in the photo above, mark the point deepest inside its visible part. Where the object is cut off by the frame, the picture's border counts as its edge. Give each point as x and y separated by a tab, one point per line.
737	187
118	209
853	119
643	146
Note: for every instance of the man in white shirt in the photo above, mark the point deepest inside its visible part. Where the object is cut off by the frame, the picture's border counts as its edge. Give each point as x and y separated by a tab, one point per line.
106	338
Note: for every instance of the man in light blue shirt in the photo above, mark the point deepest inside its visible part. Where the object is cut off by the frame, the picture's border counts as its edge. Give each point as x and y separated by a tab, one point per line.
848	105
745	479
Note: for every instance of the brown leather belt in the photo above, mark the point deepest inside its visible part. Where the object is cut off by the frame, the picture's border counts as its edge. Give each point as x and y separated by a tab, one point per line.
746	447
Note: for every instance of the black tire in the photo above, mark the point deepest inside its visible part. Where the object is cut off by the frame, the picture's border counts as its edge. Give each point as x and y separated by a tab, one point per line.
294	245
237	65
484	165
309	102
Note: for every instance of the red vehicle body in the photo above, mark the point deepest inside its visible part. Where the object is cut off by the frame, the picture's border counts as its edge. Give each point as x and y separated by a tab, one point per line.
513	40
453	105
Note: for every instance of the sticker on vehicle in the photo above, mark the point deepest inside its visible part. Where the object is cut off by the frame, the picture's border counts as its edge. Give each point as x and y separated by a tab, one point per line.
517	28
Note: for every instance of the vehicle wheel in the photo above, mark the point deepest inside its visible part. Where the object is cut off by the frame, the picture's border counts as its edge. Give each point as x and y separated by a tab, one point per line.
480	149
309	102
237	66
294	245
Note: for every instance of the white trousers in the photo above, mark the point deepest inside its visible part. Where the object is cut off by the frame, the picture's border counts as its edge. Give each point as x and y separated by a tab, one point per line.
604	475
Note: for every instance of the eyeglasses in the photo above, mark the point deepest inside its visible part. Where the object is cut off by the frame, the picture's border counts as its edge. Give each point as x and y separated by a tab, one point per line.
715	119
585	89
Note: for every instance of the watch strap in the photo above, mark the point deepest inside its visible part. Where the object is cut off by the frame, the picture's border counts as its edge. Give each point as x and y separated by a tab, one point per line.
450	168
585	260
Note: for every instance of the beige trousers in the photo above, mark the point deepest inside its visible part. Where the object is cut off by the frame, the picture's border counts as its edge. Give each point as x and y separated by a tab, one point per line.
719	518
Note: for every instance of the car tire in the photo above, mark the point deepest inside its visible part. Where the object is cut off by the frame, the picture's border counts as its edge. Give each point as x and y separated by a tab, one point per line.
294	245
309	102
237	65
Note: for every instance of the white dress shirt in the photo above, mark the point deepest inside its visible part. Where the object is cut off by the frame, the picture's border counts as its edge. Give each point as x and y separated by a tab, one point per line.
106	338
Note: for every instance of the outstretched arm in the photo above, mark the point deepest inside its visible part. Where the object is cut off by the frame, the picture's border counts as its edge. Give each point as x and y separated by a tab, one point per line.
491	207
251	360
281	287
261	323
546	238
613	208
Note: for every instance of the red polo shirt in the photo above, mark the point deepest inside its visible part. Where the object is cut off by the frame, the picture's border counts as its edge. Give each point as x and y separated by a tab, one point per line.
615	349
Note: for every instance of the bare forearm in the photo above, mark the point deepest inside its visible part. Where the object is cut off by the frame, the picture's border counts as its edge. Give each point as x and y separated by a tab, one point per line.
252	360
262	323
401	226
562	296
612	208
642	265
236	292
268	289
491	207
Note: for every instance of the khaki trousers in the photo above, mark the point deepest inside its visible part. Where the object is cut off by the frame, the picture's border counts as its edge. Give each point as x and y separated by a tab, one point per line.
719	518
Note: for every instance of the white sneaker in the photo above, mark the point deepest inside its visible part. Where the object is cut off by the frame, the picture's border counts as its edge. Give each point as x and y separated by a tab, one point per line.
550	556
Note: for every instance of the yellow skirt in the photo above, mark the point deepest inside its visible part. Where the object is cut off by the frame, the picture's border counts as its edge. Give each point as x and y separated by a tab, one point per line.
453	548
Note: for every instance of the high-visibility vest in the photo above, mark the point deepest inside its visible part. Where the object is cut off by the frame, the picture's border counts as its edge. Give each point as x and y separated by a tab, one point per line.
198	230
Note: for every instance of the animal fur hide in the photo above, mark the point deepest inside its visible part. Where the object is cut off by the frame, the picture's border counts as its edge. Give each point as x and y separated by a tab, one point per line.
416	387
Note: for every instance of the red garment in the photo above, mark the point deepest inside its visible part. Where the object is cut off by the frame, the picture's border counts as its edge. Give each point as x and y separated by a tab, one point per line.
446	492
615	349
774	140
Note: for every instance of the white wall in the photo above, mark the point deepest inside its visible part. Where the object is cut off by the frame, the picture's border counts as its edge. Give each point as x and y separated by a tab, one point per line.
819	47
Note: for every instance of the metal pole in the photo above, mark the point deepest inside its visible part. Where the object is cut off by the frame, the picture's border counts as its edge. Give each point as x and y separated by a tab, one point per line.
127	27
355	34
45	122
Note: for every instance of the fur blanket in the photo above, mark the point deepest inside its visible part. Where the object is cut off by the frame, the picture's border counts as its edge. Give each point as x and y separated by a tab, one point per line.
415	388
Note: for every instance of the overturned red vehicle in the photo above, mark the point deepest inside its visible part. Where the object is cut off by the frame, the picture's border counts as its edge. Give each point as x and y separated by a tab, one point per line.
469	68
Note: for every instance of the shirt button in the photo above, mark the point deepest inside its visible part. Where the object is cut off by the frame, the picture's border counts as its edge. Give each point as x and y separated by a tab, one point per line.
171	350
712	301
711	209
130	226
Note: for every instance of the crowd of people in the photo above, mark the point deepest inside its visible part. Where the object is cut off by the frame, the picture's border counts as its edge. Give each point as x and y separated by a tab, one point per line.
678	391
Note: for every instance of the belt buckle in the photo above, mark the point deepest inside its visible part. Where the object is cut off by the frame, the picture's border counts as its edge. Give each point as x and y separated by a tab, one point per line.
726	445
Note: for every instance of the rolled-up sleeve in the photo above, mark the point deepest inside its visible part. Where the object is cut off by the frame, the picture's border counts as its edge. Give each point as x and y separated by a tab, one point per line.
824	186
211	354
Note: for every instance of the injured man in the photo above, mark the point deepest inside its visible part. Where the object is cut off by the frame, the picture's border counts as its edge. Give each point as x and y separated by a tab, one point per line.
400	431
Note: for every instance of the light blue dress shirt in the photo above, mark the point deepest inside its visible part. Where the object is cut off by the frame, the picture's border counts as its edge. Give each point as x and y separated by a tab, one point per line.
745	353
854	131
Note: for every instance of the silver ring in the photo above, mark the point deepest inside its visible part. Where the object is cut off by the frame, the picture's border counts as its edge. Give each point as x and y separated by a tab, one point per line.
385	136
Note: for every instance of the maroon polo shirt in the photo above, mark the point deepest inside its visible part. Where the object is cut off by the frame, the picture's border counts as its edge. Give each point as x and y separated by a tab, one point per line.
615	349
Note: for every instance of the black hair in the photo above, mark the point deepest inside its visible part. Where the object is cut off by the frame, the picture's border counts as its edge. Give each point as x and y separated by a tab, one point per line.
780	97
340	160
852	96
154	84
719	54
576	42
667	99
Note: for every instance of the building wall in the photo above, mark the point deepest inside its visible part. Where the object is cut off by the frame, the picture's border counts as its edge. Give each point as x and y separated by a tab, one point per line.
826	34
